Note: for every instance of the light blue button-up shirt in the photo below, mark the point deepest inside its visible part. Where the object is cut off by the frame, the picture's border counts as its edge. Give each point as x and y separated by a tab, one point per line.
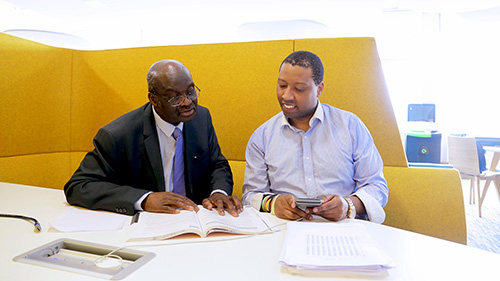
336	155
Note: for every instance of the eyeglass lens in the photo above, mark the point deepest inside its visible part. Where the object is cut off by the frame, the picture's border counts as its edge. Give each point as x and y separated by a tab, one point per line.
178	100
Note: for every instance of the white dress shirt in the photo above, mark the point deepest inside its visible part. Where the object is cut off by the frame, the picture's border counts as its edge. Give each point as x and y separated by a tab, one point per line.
336	155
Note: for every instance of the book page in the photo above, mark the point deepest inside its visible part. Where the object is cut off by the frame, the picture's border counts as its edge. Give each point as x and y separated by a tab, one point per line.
162	226
247	222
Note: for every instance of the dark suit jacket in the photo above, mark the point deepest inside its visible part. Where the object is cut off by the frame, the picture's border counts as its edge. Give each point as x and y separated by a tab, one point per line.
126	163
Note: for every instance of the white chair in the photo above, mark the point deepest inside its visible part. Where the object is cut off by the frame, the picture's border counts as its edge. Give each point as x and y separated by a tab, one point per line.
462	152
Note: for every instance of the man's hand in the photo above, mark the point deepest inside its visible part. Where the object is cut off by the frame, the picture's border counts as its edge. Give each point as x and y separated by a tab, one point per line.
285	208
220	201
168	202
334	208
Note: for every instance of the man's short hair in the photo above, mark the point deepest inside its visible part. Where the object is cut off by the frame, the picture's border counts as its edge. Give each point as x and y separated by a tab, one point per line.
308	60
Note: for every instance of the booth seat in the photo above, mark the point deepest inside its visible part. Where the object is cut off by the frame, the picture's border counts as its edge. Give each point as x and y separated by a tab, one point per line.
54	100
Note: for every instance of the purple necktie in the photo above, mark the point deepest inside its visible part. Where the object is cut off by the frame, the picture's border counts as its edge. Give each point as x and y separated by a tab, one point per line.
179	185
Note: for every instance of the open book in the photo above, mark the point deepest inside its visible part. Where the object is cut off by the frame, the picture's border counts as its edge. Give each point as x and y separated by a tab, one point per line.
156	226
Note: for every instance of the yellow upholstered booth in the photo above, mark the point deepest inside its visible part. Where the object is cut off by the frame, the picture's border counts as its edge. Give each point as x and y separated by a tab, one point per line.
54	101
35	107
428	200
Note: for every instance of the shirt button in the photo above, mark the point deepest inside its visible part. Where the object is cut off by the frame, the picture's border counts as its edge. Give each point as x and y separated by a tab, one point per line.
309	179
307	157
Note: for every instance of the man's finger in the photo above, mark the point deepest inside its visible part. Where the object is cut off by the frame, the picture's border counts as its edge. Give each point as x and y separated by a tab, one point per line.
330	203
326	198
297	214
169	210
230	207
220	206
237	203
291	201
207	204
184	203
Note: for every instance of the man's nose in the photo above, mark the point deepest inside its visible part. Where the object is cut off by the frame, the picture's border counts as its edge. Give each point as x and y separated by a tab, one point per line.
186	102
287	94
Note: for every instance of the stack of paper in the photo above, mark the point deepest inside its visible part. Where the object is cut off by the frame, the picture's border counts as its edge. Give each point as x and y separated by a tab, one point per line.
342	247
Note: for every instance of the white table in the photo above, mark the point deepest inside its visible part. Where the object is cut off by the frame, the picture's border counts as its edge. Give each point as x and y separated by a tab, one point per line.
417	257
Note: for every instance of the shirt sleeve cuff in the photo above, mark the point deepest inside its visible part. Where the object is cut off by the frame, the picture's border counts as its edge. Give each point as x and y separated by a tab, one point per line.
138	203
218	191
256	201
373	209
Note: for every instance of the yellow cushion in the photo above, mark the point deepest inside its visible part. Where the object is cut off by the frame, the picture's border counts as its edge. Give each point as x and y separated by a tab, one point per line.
44	169
427	201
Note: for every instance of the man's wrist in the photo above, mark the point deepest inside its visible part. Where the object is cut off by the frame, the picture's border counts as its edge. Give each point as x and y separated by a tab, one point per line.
273	204
139	204
267	202
351	209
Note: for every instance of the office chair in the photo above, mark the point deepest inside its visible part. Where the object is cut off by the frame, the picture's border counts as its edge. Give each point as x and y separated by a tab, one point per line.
463	156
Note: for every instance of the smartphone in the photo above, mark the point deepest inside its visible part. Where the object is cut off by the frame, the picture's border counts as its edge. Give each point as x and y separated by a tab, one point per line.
303	203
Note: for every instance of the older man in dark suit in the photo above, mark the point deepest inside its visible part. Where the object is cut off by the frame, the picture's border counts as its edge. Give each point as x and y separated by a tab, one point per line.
161	157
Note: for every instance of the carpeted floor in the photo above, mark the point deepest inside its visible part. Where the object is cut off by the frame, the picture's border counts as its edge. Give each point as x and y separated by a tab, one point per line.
483	232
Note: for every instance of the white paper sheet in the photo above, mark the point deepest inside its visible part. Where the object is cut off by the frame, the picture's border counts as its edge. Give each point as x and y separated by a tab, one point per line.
77	219
331	246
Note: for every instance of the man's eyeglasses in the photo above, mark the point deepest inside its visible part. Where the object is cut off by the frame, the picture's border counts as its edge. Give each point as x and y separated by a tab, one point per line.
192	95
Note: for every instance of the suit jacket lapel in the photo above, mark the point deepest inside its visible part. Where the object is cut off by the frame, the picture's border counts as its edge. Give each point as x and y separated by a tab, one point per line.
152	145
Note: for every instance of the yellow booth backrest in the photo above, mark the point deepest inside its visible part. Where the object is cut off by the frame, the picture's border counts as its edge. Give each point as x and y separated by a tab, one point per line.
35	108
54	100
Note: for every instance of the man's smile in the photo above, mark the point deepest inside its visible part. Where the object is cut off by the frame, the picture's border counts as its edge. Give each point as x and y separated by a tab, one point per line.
288	106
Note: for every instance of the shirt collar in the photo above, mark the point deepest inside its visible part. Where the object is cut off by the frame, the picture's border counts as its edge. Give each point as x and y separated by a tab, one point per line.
164	126
318	115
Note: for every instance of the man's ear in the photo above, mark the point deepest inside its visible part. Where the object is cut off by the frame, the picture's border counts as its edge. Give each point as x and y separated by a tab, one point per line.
153	99
321	86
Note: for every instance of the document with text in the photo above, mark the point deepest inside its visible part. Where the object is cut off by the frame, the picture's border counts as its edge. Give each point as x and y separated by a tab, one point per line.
156	226
332	246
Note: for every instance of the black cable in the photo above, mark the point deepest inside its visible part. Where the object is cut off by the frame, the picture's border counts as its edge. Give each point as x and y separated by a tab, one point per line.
38	227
